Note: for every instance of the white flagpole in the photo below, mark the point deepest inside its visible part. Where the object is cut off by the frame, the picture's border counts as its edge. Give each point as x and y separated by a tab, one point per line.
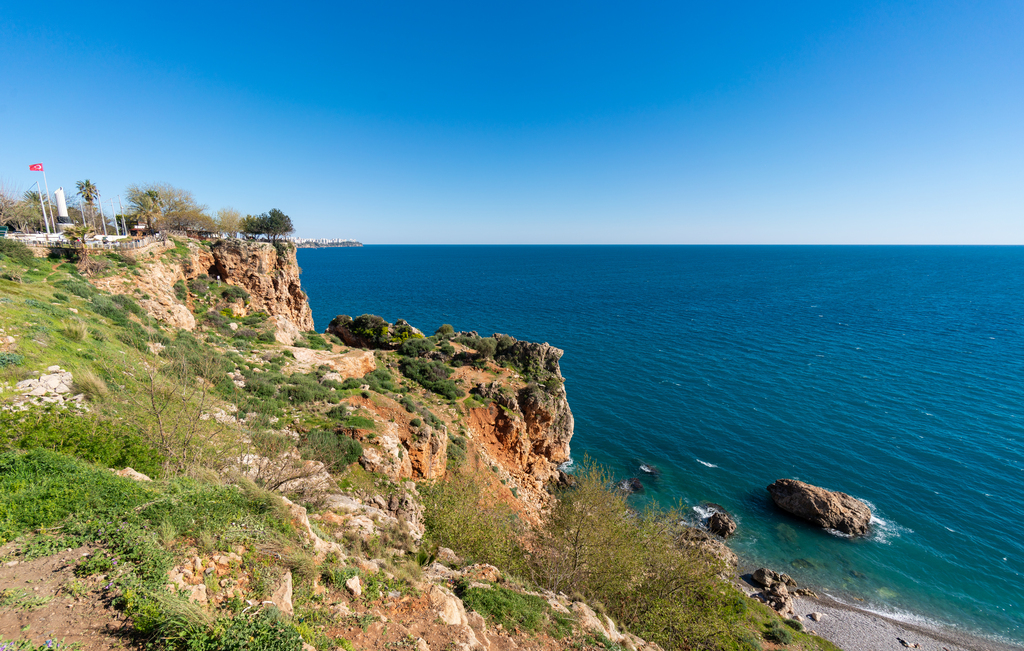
117	229
39	191
103	219
123	223
46	185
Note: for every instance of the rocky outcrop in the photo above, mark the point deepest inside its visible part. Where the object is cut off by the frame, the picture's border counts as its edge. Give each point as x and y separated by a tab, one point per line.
534	422
270	273
709	544
55	387
371	331
721	524
777	590
829	509
428	452
529	429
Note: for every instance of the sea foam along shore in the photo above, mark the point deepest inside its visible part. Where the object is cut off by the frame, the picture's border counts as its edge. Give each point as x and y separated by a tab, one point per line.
856	629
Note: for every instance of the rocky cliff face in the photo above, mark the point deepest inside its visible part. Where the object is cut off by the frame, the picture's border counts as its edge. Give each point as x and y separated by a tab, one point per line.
270	274
527	429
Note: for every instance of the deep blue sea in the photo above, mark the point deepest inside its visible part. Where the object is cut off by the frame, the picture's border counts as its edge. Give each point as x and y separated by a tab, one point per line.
890	373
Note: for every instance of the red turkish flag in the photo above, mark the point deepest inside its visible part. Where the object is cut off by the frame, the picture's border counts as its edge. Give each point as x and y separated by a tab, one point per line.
38	167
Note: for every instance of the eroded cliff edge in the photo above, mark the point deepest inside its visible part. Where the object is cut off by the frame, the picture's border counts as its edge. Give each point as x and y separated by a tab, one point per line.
173	283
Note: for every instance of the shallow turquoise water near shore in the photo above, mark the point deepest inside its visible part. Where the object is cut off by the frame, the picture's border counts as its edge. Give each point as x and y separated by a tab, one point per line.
890	373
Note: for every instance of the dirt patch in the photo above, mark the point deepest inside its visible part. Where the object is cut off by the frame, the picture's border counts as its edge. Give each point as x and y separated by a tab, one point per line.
43	600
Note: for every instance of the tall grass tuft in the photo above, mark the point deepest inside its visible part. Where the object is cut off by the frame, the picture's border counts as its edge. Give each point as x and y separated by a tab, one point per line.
74	329
90	384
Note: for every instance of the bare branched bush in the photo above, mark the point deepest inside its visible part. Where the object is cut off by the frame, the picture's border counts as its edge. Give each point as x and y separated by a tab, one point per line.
172	403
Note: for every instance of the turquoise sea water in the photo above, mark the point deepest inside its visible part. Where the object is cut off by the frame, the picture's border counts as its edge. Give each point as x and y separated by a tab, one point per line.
890	373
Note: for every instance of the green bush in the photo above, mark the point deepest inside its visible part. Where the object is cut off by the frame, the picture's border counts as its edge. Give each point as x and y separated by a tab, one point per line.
198	286
244	632
416	347
105	306
380	381
456	452
16	251
371	327
794	624
11	359
233	293
90	437
462	515
333	450
339	412
314	340
215	319
128	304
432	376
180	291
485	346
593	544
507	607
79	288
446	330
776	631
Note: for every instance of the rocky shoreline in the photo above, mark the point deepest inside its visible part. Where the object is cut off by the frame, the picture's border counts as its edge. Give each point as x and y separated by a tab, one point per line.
857	629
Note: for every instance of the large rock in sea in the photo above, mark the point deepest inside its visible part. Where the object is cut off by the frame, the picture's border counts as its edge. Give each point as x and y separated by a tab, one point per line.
829	509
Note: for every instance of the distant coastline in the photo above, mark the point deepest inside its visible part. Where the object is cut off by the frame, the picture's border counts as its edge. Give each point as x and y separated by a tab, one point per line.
323	243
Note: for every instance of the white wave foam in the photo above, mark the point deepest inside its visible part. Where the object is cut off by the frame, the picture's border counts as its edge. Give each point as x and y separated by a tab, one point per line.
882	530
704	512
837	533
566	465
709	465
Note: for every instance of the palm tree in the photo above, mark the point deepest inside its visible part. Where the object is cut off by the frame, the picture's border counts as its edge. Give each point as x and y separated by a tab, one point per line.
88	191
78	234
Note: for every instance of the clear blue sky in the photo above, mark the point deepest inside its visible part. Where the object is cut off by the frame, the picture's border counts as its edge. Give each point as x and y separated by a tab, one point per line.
478	122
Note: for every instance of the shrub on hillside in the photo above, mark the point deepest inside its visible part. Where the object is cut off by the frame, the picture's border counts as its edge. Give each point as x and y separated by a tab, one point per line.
314	340
11	359
79	288
16	251
128	304
380	381
105	306
432	376
593	544
333	450
232	293
456	451
90	437
418	347
460	514
198	286
485	346
776	631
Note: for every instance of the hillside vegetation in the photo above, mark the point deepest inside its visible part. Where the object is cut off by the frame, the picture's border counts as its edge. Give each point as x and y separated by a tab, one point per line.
315	494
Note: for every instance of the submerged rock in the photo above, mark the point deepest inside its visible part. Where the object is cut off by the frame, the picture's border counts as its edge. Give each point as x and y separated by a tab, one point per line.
829	509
